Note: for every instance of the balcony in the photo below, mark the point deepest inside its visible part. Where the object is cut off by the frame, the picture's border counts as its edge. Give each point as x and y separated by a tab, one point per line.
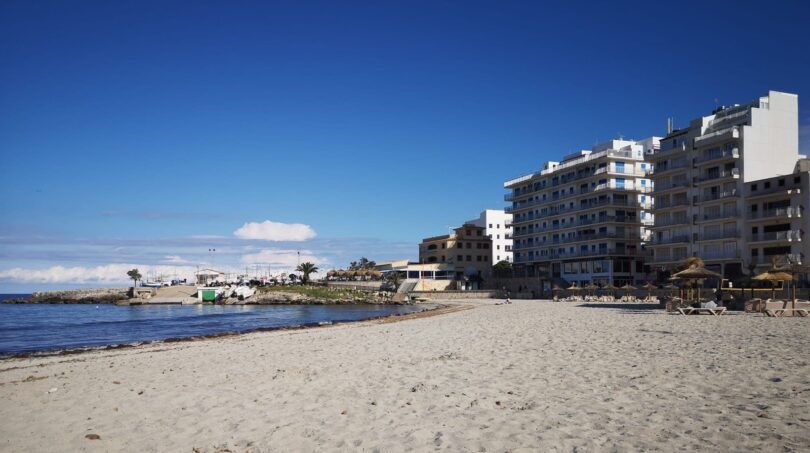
662	169
682	238
716	235
717	176
788	212
718	155
672	204
734	193
788	189
664	222
778	236
721	255
663	187
709	216
718	136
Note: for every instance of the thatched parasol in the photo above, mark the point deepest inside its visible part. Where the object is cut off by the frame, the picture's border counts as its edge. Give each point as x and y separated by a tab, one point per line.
650	287
695	273
574	287
610	288
774	276
591	287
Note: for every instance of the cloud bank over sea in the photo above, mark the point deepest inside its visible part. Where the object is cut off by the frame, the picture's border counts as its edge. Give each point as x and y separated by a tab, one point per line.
34	259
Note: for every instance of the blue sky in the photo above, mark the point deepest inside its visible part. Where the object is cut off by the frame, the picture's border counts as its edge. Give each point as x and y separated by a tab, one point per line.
148	133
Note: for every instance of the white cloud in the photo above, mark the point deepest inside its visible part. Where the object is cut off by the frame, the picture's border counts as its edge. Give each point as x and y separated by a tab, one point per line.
106	274
175	259
275	231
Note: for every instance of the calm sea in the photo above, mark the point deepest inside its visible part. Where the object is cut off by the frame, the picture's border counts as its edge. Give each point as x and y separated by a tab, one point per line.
40	328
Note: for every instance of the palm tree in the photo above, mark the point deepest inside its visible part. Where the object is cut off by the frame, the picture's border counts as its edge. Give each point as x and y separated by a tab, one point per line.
305	269
135	276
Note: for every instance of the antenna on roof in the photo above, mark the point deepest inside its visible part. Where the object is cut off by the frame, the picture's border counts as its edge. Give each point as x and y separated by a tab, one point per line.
669	125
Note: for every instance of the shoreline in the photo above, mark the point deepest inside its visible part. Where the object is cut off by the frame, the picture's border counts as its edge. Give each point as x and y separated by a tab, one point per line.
531	375
434	310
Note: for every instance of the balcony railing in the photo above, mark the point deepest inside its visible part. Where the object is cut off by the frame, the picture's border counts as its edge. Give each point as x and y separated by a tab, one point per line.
720	215
662	186
672	240
714	176
579	253
665	222
721	255
659	169
796	188
718	154
722	234
672	204
790	212
787	236
718	196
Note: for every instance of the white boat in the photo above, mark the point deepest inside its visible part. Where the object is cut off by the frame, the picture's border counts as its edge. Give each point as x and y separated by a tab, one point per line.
243	291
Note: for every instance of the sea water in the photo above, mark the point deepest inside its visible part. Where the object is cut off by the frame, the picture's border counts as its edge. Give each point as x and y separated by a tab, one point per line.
29	328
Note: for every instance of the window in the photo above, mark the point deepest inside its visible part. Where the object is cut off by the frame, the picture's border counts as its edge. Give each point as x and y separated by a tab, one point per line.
497	236
781	182
767	184
753	187
460	245
486	246
444	246
490	225
479	232
498	247
468	233
497	225
478	258
469	245
432	247
460	258
469	258
797	180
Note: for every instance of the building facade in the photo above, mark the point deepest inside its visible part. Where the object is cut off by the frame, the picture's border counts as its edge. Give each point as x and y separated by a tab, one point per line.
467	251
584	219
775	221
700	174
497	225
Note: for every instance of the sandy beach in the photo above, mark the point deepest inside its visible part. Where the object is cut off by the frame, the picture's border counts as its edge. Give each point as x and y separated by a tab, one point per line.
534	375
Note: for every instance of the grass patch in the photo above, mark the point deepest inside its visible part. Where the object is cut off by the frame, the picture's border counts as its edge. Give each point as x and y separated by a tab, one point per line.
319	292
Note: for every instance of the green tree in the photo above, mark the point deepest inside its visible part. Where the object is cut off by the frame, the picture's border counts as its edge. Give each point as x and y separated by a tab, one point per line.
305	269
135	276
394	278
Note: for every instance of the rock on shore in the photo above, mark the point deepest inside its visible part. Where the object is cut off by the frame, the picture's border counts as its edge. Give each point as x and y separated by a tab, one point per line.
73	296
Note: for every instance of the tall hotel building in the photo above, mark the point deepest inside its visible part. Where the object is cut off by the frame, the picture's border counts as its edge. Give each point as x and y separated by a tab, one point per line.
707	201
584	219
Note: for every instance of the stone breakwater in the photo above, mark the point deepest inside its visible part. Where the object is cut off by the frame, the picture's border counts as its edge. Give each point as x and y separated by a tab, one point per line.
283	297
73	296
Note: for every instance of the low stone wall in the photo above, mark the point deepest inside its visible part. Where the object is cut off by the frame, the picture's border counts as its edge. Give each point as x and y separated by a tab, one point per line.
358	286
456	295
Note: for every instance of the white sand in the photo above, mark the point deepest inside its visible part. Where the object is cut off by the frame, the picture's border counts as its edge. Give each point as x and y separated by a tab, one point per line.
524	377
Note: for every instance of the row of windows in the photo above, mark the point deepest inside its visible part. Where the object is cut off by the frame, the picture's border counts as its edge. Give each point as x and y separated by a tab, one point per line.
779	183
479	258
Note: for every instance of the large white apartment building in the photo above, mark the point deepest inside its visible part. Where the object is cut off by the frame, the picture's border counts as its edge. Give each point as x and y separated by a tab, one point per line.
700	175
584	219
497	225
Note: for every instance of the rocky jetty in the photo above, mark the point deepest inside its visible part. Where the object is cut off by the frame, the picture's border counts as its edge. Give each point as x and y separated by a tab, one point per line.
285	297
73	296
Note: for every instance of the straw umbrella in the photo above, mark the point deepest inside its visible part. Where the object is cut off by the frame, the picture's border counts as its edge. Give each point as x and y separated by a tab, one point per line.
774	276
628	288
574	288
694	274
591	288
650	287
554	289
611	288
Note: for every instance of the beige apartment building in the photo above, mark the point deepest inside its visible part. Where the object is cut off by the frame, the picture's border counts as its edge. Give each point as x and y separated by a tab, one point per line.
584	219
467	251
700	176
